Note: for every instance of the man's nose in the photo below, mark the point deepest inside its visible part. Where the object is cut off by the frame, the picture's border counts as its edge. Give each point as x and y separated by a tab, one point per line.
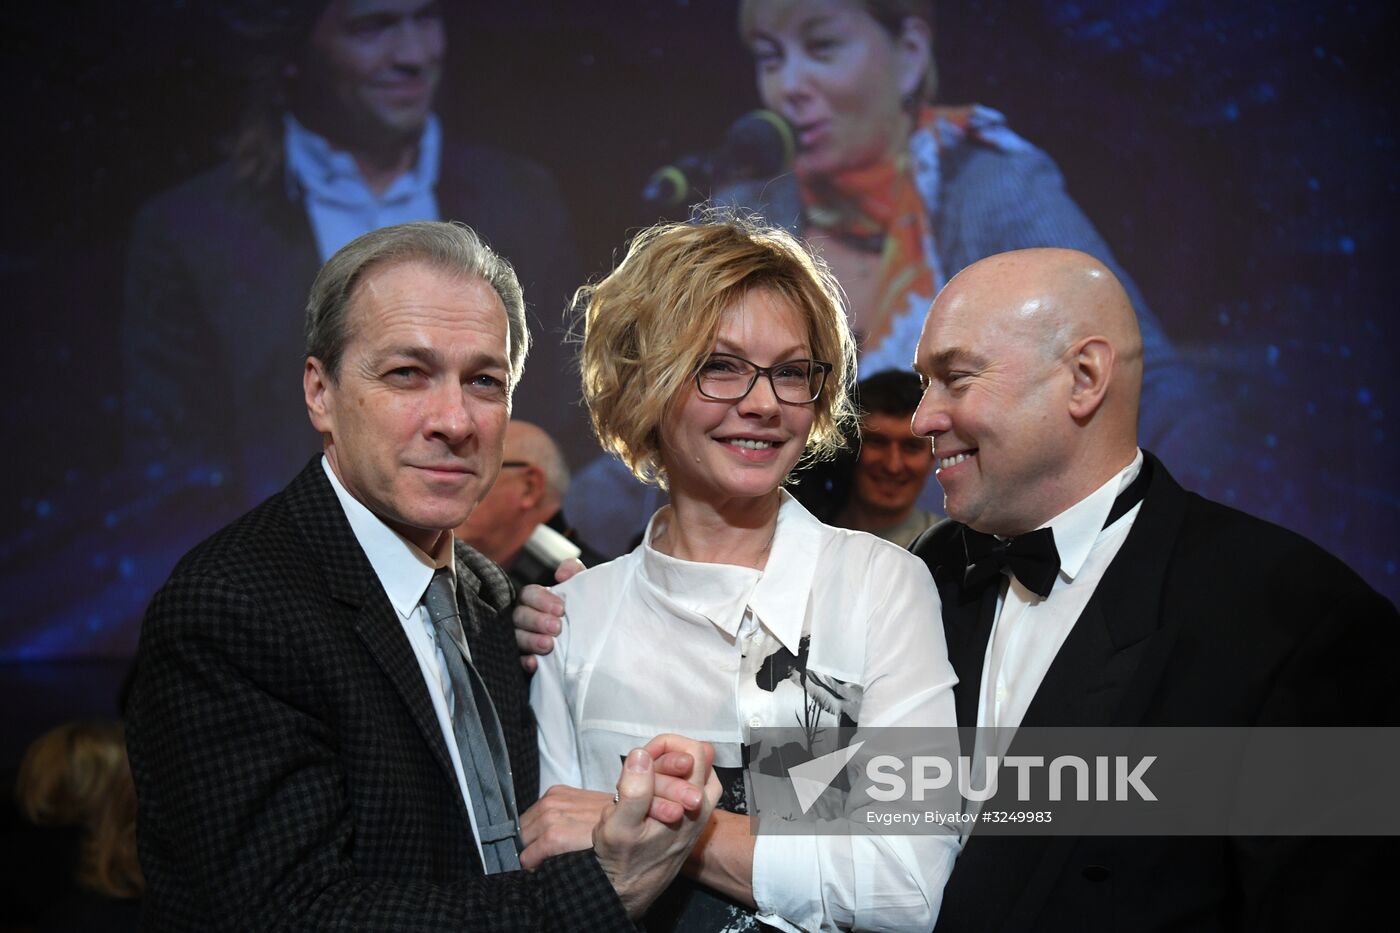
891	460
931	417
417	43
449	415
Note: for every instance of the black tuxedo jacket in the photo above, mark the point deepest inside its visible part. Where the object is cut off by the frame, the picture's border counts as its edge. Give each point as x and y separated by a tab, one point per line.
290	769
1206	617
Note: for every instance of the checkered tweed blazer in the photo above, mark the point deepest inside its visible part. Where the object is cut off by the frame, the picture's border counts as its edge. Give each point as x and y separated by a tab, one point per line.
290	769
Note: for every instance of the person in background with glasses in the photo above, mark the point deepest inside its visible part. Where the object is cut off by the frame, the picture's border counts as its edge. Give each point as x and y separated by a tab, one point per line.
716	357
520	524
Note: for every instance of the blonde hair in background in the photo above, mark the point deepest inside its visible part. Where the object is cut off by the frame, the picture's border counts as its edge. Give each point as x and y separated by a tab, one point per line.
650	324
78	775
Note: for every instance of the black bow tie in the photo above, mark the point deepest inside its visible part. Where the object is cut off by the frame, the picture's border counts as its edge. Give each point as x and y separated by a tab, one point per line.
1032	558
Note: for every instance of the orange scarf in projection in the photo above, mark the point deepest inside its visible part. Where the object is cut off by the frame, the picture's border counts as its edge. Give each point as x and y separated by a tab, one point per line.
878	208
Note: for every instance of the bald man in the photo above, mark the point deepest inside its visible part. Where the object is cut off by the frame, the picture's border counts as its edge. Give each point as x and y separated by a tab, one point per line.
1152	607
520	523
1149	606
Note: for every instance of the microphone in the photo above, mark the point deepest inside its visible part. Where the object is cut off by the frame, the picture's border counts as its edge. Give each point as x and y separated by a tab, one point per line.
757	145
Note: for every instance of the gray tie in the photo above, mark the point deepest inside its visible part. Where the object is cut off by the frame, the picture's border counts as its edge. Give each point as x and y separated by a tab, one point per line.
478	733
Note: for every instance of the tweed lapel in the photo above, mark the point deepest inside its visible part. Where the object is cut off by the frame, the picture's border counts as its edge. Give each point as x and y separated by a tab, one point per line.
362	601
483	593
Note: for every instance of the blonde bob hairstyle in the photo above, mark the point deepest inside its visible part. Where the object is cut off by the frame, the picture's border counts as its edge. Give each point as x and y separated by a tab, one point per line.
650	324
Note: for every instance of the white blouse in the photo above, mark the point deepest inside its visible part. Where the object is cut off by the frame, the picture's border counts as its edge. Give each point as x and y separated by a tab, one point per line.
654	644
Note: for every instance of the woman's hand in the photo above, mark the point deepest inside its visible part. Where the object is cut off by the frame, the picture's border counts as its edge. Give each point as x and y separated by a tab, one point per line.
563	820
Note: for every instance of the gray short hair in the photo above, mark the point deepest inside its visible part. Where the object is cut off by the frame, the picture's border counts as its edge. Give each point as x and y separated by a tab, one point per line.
452	247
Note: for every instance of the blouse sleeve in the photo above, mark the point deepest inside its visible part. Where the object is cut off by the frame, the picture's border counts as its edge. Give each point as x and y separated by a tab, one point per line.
865	880
558	735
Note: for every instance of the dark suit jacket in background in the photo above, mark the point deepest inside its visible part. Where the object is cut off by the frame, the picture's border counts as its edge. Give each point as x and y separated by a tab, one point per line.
290	768
217	279
528	569
1206	617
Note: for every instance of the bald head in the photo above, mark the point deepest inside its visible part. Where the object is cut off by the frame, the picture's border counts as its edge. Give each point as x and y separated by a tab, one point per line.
1050	299
529	491
1034	366
529	443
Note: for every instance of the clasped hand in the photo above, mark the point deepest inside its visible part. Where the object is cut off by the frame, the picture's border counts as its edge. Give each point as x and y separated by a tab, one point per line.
666	793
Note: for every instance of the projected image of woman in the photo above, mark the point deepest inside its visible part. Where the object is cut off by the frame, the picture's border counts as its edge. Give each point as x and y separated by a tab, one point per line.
898	194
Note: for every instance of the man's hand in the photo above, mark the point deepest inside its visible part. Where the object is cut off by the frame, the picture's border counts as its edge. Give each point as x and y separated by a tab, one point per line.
538	616
640	855
563	819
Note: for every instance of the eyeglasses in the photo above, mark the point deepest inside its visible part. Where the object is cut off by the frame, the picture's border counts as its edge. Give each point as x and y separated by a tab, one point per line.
725	377
507	464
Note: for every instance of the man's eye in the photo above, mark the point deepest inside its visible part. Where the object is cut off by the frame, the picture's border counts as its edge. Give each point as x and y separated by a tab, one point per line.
404	373
484	382
368	27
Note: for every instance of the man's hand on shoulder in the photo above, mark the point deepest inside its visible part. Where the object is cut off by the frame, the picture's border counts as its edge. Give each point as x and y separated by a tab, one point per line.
538	616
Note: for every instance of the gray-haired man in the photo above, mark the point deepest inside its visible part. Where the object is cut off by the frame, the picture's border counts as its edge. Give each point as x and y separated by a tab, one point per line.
328	726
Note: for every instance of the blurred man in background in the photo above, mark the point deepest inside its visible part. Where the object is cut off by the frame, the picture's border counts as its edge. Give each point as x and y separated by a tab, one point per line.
339	137
893	464
520	524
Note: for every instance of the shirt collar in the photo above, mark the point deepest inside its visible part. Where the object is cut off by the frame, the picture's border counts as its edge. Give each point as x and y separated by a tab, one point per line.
314	166
1078	527
721	592
402	568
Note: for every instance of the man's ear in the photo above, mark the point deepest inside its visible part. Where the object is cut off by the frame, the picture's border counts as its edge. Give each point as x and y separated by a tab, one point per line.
317	387
1091	365
533	487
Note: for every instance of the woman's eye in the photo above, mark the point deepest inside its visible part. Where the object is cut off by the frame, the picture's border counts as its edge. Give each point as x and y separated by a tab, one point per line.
766	56
792	371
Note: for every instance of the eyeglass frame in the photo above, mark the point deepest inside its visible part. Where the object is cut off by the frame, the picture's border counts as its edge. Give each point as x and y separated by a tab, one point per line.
821	367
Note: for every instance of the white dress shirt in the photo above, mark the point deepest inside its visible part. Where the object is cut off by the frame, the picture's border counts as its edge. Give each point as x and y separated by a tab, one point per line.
655	644
339	204
405	571
1029	630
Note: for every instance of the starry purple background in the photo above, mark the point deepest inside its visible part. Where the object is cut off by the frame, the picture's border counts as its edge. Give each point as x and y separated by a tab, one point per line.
1239	158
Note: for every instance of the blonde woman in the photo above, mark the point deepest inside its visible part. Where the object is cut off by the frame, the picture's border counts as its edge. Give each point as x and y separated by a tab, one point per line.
715	357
